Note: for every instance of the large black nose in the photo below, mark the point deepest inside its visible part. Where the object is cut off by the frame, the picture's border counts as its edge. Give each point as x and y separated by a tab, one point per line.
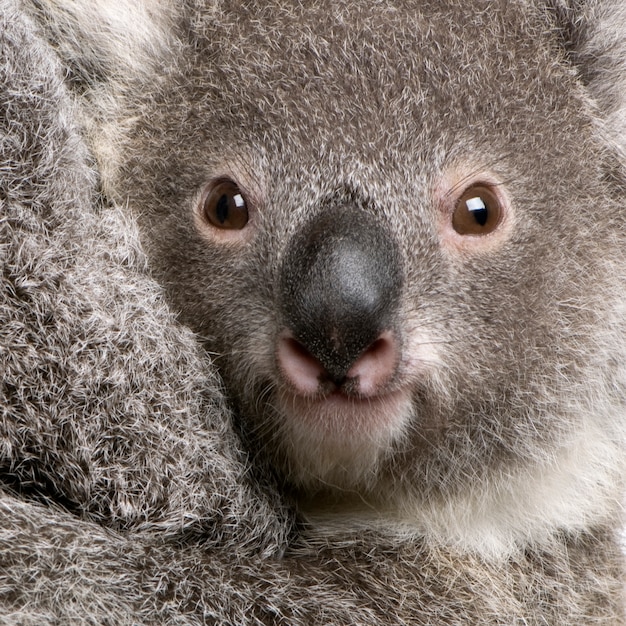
340	284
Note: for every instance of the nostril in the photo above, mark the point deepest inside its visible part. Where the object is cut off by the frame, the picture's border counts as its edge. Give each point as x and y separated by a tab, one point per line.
298	365
376	365
366	376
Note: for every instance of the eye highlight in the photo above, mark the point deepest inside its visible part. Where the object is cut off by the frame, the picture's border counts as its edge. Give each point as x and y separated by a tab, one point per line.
224	206
478	211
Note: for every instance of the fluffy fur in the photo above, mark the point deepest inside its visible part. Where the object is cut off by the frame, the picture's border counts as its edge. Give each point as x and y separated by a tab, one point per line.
127	496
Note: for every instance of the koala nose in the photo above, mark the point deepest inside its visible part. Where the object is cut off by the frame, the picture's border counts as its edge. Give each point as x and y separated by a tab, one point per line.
340	285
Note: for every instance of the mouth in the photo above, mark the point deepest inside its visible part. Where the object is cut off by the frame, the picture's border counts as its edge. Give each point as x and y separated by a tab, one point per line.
338	438
341	412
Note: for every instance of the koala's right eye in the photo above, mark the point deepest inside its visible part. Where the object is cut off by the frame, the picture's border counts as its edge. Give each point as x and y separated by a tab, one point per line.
477	212
224	205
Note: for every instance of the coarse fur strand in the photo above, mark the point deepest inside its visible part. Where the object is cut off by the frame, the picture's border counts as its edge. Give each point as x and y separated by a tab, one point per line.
156	465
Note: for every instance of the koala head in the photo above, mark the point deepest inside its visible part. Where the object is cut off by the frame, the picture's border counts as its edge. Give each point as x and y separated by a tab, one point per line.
396	226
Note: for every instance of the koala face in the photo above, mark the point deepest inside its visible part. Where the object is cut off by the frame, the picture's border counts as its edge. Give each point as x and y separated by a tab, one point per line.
391	225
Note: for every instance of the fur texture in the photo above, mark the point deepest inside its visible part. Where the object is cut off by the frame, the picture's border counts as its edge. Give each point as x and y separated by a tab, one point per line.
493	494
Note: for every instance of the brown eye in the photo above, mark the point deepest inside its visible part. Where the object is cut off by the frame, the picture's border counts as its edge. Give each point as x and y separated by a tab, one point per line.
477	212
224	206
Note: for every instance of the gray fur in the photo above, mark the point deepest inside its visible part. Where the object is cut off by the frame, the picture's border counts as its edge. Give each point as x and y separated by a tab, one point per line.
130	494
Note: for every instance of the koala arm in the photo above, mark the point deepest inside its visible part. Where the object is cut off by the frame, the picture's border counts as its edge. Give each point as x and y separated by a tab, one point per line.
106	404
55	568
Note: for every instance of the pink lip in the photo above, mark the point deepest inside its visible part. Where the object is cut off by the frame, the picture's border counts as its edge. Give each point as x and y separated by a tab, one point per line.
349	416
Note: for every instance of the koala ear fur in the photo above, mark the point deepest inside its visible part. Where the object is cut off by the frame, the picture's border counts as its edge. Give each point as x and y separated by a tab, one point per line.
104	40
594	37
105	47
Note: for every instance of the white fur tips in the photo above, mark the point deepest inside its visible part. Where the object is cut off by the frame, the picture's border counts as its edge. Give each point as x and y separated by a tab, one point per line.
372	404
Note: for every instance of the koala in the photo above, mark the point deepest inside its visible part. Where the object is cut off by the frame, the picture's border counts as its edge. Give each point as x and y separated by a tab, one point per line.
383	381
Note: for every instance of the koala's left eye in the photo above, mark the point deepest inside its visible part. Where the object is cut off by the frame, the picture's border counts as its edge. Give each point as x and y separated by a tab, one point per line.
478	211
224	205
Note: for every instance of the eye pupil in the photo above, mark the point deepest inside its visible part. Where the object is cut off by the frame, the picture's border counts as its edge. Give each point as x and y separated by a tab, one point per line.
478	209
224	206
221	209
